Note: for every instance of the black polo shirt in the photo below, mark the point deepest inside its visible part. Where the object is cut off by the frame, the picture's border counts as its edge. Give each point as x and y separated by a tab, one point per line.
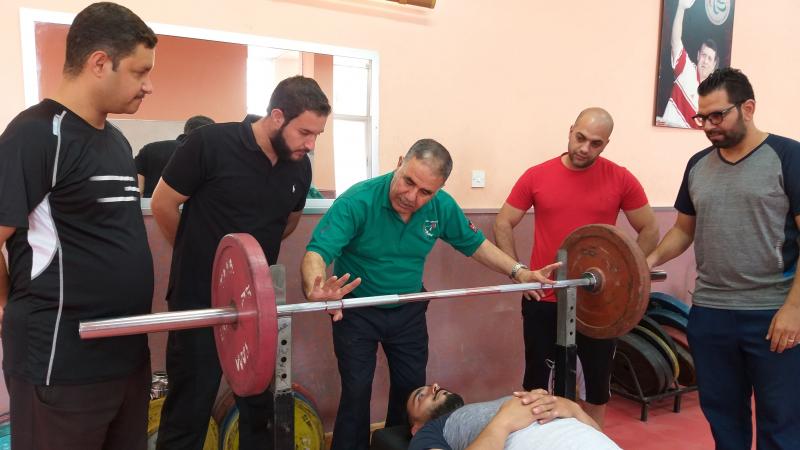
79	251
232	188
151	160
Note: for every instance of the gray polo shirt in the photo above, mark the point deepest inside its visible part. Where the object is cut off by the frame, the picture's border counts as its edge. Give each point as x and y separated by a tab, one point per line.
745	238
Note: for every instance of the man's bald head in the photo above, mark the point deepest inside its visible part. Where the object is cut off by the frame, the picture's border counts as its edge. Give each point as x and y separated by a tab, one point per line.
596	116
588	137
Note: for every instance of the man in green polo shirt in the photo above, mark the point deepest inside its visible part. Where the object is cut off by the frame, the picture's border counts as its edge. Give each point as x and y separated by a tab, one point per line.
381	230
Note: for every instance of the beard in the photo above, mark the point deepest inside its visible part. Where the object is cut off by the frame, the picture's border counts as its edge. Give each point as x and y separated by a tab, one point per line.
580	164
730	138
280	146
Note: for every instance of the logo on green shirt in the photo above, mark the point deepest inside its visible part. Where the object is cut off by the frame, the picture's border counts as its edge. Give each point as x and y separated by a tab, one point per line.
429	226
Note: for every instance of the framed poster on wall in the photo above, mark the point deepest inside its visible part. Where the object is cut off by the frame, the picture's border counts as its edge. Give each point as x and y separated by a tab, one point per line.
695	40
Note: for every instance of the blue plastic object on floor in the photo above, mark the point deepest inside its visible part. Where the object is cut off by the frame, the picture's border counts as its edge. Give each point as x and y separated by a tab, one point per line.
669	303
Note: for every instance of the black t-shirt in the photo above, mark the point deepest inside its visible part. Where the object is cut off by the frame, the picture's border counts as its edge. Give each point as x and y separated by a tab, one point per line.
431	435
232	188
151	160
79	251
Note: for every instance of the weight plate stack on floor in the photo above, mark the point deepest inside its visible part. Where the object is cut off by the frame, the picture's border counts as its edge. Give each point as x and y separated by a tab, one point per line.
668	310
308	431
646	364
154	417
659	352
660	300
666	353
678	336
671	318
685	360
688	376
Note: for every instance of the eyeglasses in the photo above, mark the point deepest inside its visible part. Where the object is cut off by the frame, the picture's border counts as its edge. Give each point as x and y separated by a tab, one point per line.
715	117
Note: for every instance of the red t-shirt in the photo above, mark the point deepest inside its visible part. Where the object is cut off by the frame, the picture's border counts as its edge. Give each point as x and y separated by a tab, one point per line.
566	199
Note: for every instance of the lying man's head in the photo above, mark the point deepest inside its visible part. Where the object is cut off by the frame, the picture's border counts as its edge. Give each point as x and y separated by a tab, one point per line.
429	402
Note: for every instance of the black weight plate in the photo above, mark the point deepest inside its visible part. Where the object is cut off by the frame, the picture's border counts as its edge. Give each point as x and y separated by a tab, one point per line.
646	361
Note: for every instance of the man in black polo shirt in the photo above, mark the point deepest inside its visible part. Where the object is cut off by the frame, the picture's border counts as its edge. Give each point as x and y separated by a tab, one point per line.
247	177
153	157
77	247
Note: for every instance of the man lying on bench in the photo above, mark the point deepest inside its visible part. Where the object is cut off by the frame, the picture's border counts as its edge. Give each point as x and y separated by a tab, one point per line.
526	420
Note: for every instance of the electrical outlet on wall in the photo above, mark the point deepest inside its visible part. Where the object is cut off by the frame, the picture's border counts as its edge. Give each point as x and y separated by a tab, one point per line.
478	178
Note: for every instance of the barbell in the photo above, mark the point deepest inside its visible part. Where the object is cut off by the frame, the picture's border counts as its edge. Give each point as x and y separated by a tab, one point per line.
600	258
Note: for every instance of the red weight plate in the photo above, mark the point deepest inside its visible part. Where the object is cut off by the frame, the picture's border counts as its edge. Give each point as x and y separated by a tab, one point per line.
247	348
678	336
621	299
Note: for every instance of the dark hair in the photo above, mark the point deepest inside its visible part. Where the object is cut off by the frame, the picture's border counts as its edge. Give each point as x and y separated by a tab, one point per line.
710	43
196	122
732	80
298	94
451	403
430	151
105	26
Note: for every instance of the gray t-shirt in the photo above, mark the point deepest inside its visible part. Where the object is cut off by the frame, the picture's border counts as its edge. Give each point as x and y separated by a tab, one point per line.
459	429
745	238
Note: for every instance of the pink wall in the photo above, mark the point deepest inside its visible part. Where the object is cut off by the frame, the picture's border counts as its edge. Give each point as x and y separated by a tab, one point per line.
497	83
181	77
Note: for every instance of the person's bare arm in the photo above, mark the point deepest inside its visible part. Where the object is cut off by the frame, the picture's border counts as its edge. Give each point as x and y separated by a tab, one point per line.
512	416
166	205
492	257
291	223
675	242
546	407
140	179
784	330
643	220
677	27
312	273
508	218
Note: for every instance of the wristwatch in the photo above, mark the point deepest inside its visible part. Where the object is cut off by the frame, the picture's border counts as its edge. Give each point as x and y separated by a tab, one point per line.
516	269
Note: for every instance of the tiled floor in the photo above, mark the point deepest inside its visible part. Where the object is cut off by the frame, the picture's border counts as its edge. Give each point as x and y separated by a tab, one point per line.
686	430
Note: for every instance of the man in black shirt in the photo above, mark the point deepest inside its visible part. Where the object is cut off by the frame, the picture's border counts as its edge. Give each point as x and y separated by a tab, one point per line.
77	246
153	157
245	177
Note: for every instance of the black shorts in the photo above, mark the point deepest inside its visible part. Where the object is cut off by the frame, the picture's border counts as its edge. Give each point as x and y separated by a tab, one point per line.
105	415
539	324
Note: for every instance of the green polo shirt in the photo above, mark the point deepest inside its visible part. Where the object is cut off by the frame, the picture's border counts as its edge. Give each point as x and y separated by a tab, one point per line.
366	237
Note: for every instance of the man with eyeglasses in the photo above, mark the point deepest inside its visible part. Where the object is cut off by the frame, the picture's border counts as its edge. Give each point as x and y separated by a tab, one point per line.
739	203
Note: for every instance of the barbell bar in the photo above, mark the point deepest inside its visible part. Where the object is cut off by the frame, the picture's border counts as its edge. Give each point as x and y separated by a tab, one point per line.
198	318
245	315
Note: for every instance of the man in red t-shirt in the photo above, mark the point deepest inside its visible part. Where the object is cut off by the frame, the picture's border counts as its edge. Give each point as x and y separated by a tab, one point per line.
574	189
